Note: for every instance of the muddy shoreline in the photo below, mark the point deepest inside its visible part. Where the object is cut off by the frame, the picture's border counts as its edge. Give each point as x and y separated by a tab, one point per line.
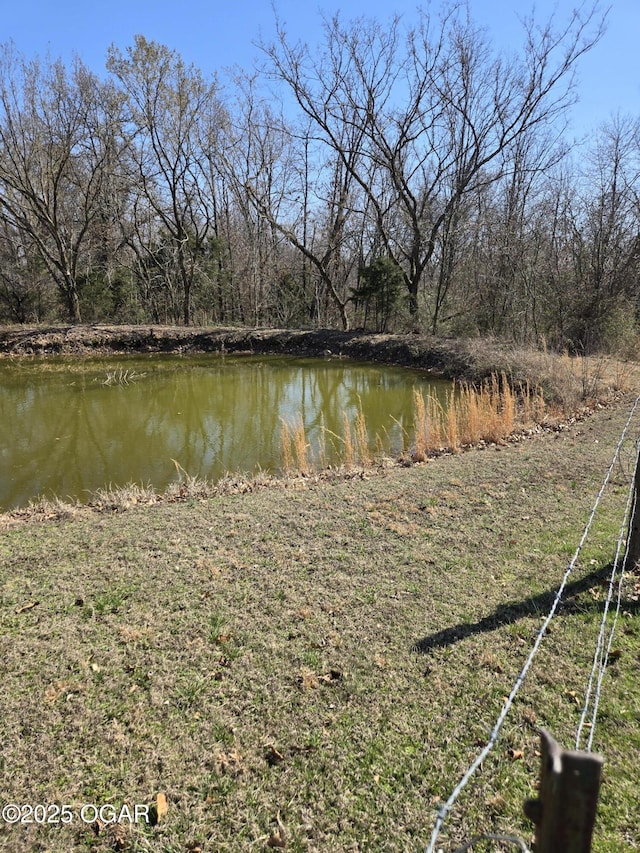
571	385
448	358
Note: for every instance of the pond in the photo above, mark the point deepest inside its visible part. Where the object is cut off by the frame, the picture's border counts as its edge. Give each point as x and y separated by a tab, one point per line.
69	427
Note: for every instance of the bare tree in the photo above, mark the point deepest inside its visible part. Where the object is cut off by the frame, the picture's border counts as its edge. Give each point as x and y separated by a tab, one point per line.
55	152
290	185
26	291
419	123
611	229
168	103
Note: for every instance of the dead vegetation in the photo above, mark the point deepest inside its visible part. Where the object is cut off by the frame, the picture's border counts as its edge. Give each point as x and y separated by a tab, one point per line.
490	413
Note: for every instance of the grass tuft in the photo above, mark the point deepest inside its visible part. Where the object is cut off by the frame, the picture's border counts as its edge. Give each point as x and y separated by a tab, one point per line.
124	497
295	447
122	377
472	415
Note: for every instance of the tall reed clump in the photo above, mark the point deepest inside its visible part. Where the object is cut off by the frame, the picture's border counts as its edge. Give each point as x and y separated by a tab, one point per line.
467	415
356	440
352	447
428	425
488	413
295	447
532	405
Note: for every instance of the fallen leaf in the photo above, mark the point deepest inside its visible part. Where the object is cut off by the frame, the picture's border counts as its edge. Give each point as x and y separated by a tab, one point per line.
278	837
162	807
516	754
332	675
229	763
60	688
273	756
304	613
496	803
308	680
117	837
158	810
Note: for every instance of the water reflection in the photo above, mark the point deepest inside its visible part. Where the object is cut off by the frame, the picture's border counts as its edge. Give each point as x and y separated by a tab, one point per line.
63	431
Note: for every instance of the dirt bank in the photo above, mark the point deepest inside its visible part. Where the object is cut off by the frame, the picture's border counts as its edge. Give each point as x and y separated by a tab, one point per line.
446	356
568	384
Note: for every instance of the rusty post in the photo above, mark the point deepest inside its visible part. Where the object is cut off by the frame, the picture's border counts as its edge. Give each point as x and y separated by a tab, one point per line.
565	812
632	555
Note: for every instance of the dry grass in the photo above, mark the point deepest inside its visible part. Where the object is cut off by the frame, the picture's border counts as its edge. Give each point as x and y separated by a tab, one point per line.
361	438
122	377
286	442
298	455
295	447
568	383
470	415
123	497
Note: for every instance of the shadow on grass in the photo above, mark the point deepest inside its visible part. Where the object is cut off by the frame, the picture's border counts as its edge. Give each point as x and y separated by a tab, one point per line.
535	605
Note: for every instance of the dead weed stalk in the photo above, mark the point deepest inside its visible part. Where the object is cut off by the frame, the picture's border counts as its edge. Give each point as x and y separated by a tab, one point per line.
472	415
469	415
295	447
299	455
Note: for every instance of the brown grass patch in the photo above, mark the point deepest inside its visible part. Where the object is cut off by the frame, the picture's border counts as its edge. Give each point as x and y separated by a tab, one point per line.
472	415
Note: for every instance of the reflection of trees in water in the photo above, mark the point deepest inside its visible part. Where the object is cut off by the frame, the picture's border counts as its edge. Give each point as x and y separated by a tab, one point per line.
70	435
228	414
52	435
384	394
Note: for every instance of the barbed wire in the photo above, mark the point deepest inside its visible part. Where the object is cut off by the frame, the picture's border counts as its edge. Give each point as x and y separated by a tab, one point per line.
446	808
627	461
601	654
604	666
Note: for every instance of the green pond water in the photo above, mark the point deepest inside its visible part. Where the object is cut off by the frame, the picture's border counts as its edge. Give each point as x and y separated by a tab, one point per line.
69	427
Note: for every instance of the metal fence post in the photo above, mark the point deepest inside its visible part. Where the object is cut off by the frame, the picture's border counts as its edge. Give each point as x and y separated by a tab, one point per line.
565	812
632	556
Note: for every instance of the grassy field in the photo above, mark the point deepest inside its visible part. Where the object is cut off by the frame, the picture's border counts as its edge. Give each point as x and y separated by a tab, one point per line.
313	664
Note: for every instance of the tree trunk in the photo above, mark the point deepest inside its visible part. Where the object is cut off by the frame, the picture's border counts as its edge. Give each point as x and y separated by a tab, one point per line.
73	302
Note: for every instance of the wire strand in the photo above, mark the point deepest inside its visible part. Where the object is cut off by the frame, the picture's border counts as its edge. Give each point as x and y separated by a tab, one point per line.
446	808
600	657
608	651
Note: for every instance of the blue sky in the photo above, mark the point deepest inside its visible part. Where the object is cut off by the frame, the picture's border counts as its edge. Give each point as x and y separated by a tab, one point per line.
214	34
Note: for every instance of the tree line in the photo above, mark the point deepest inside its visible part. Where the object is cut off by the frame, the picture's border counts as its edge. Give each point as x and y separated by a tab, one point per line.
393	178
